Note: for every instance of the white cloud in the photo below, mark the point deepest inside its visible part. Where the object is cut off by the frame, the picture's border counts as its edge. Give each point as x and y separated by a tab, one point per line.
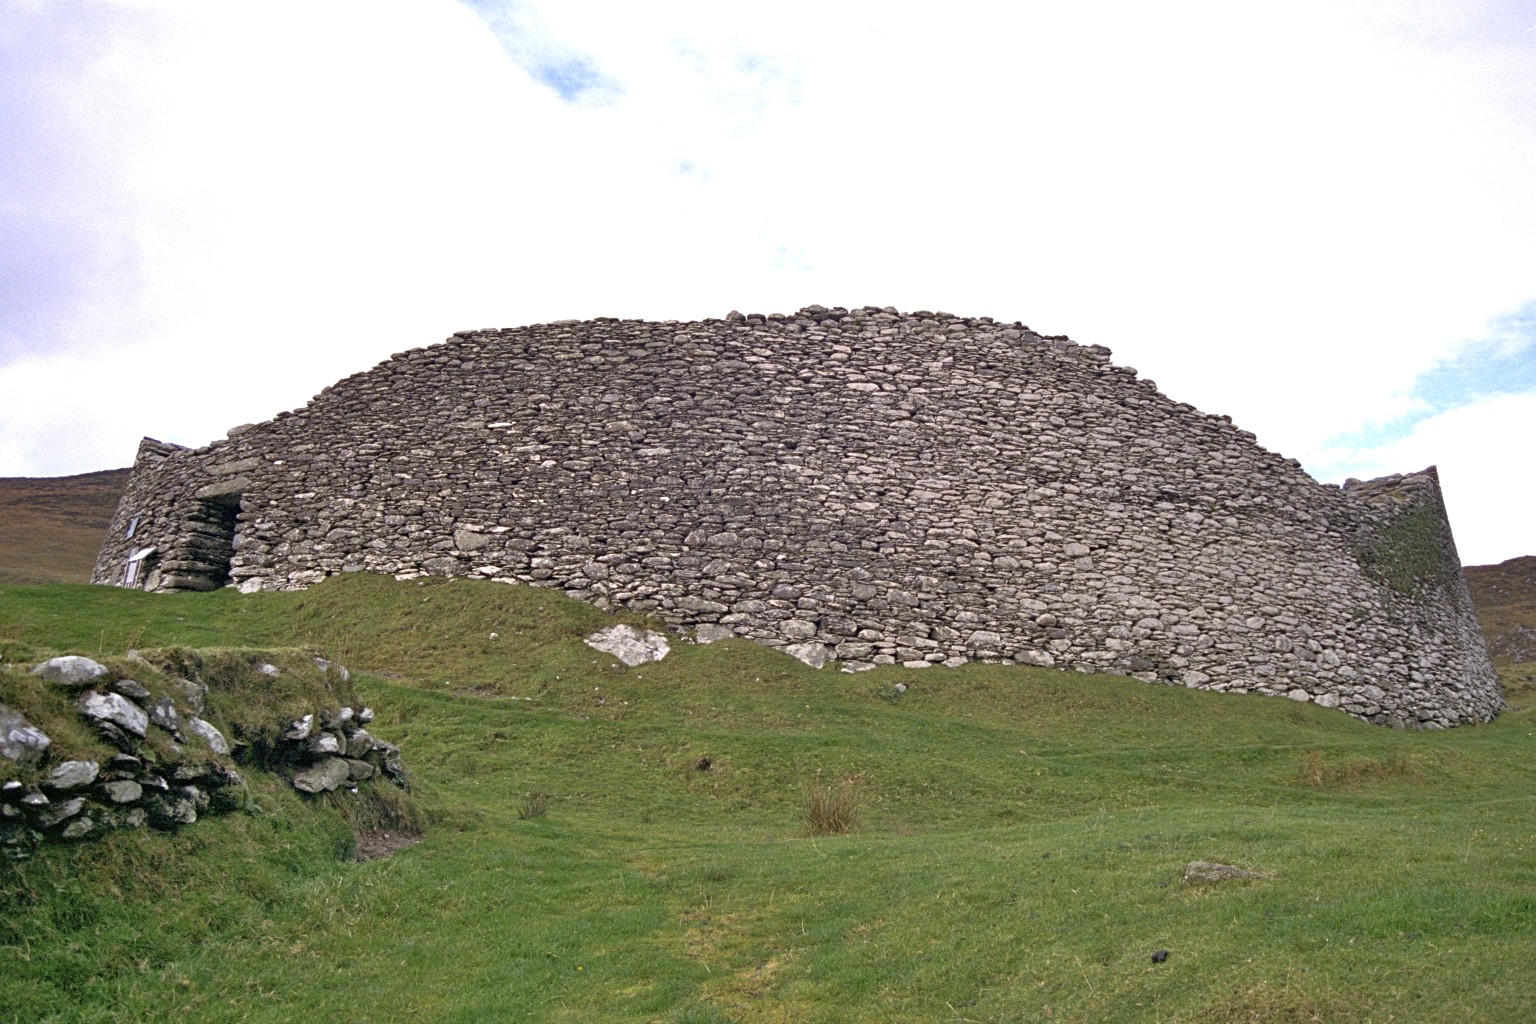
1482	451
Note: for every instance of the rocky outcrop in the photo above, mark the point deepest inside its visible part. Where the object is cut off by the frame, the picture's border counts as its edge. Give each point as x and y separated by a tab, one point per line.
853	486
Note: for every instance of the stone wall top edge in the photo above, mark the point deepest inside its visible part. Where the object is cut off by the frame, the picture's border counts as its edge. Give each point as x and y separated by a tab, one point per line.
1098	352
154	449
1060	347
1395	487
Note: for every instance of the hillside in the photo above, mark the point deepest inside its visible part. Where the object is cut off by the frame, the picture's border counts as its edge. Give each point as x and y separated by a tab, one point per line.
1505	596
51	527
636	844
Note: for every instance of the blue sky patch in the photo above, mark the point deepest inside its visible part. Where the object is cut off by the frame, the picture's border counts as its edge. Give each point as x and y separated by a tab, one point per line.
575	77
1502	362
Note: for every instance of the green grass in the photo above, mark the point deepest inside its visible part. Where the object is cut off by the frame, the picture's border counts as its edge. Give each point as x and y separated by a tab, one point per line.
1016	854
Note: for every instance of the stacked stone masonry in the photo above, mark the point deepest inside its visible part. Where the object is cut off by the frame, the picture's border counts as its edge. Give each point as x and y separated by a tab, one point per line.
861	486
48	797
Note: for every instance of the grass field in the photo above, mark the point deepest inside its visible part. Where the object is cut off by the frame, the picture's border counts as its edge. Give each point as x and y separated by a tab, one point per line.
1015	855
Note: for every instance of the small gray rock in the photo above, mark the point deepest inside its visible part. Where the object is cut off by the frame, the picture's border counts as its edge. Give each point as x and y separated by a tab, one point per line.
117	737
53	814
1200	871
208	734
700	606
325	743
131	689
83	827
70	670
115	709
323	777
391	763
123	765
986	640
196	794
359	742
630	645
71	775
220	776
170	810
709	632
189	772
812	654
799	629
122	791
358	771
470	540
163	713
300	730
20	740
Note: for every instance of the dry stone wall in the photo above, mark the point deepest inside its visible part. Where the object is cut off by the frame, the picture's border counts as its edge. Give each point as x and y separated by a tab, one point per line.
853	485
157	761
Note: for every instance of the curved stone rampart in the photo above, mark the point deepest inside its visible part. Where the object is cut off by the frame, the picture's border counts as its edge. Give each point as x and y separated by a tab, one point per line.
859	485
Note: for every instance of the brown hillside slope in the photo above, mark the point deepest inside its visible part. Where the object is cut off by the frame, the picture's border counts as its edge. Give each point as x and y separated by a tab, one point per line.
51	527
1505	596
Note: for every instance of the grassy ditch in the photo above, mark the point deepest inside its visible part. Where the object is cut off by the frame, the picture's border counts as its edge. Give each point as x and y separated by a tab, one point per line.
637	844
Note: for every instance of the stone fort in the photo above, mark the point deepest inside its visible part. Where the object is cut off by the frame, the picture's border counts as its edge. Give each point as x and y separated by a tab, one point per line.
855	486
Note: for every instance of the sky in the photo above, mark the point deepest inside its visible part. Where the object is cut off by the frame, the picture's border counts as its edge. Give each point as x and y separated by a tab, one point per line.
1318	218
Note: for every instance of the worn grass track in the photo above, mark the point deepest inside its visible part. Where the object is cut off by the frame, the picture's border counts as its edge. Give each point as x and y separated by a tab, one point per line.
1019	840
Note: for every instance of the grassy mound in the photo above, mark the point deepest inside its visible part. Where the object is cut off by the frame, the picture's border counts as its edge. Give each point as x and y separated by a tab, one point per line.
649	844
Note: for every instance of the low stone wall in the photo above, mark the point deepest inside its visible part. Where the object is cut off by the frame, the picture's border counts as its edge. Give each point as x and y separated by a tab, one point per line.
170	766
856	486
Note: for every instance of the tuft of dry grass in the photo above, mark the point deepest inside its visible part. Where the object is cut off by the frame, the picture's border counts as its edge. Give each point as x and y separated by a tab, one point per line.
832	809
535	805
1316	769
